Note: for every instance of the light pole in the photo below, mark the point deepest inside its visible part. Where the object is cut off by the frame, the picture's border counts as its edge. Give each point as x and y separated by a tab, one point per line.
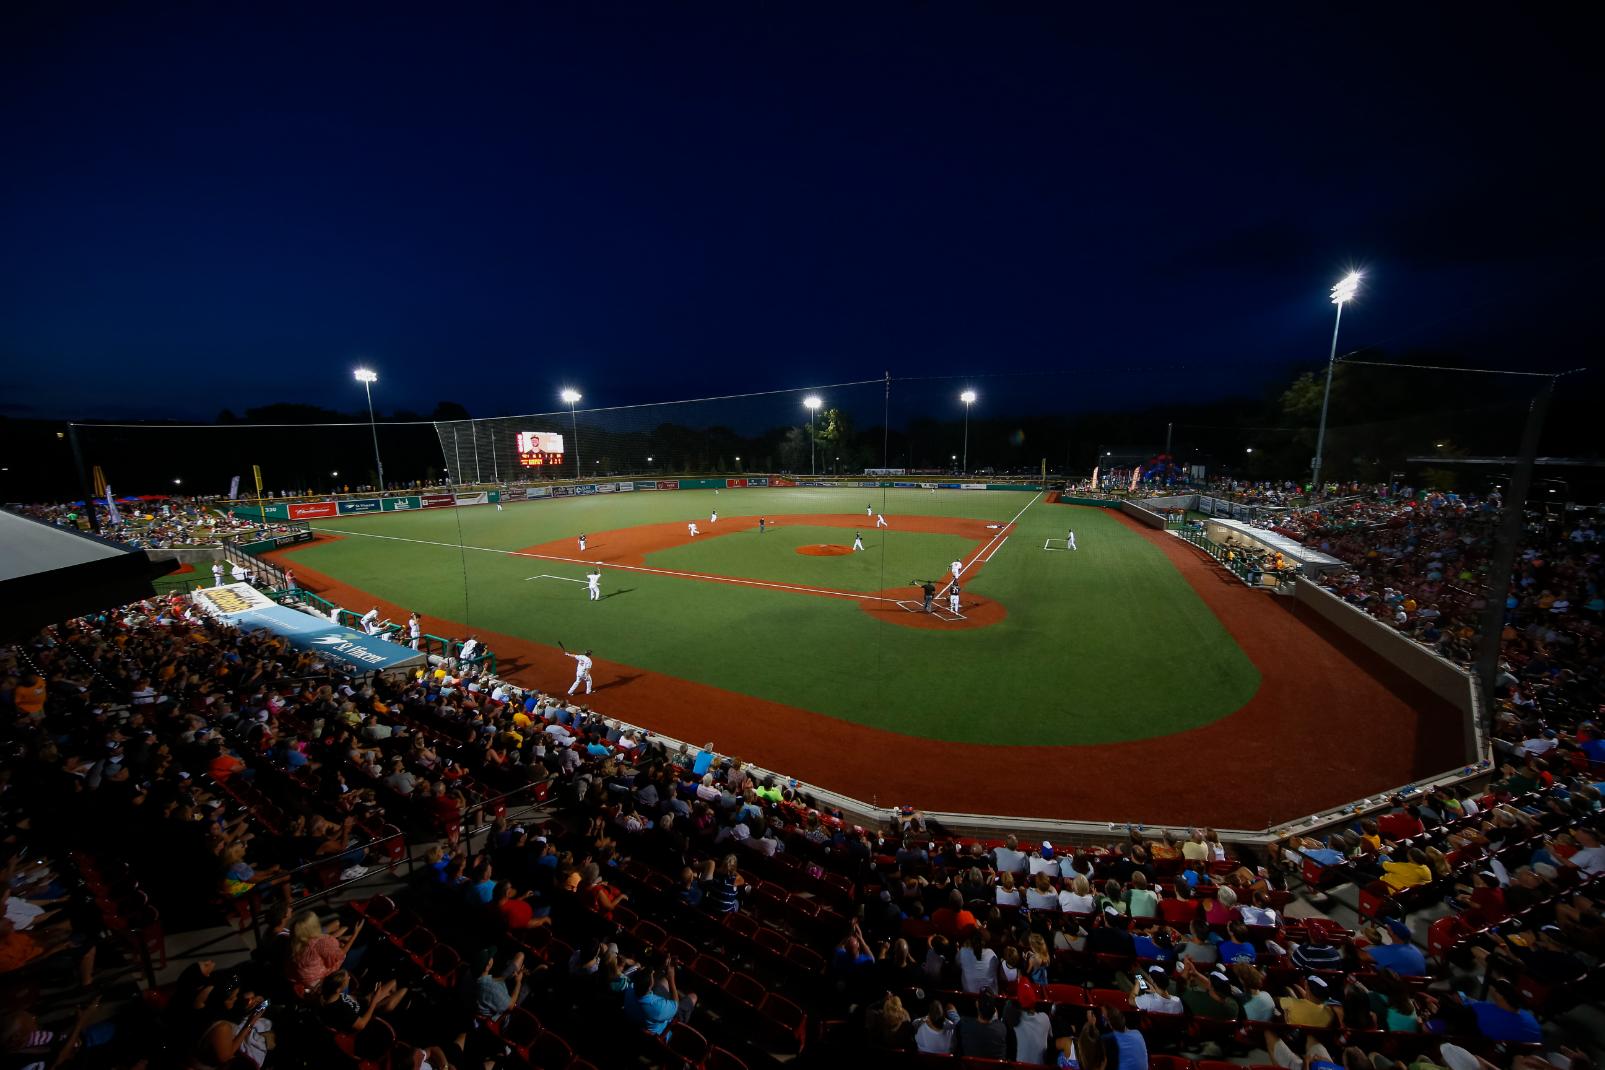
367	379
1341	293
968	397
571	396
812	403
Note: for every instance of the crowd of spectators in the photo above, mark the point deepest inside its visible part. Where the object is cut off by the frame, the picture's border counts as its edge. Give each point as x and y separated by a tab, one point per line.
160	762
156	524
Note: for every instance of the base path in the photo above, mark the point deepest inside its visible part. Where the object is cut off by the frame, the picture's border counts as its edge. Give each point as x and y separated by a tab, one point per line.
1331	722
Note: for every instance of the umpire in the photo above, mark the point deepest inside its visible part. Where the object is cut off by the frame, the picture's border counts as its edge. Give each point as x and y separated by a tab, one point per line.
930	591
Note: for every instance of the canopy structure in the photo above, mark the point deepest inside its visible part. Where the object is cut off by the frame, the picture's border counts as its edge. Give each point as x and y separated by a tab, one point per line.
247	608
50	574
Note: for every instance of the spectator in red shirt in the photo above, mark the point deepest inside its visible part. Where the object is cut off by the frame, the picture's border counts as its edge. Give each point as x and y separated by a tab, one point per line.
594	894
223	764
953	921
514	910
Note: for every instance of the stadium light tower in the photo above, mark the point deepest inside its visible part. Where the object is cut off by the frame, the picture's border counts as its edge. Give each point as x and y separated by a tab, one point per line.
571	396
1342	293
813	403
367	379
968	397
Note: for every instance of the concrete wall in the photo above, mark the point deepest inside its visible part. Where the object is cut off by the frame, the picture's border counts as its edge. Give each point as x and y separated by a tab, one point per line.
187	555
1137	512
1442	677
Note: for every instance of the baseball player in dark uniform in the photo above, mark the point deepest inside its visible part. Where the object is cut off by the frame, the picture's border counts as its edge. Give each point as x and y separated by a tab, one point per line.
930	591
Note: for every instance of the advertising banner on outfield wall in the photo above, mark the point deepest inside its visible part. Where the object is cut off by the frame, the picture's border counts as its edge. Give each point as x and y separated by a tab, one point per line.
700	484
607	488
473	499
276	511
905	484
1013	486
735	483
562	492
975	486
626	485
668	484
403	503
308	510
760	482
359	505
782	483
438	501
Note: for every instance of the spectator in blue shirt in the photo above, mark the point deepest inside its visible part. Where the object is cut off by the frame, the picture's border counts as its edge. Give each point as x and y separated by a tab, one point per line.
653	1000
481	888
1237	949
1400	956
1126	1047
1501	1018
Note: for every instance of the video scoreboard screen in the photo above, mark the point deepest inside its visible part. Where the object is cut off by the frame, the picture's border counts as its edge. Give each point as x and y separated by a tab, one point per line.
539	449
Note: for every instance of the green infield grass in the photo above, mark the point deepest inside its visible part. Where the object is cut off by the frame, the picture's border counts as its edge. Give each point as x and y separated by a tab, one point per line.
1103	644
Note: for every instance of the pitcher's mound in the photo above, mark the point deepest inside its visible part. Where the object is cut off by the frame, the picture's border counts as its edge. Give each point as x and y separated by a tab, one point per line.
825	549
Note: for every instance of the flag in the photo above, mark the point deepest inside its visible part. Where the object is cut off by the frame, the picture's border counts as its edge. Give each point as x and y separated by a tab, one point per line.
234	487
111	506
1094	477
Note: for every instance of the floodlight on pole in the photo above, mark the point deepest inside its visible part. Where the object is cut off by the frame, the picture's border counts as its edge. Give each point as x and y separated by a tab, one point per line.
968	397
367	379
1342	293
571	396
812	403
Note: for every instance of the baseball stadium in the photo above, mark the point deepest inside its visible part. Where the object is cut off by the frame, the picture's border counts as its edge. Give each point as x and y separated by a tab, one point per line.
660	536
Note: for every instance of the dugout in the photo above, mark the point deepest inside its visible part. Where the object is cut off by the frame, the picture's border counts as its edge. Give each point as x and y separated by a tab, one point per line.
49	574
1237	534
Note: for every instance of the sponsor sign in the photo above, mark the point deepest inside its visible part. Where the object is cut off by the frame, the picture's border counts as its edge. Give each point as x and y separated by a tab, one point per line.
951	486
626	485
360	505
537	492
607	488
396	505
777	482
929	486
473	499
562	492
869	484
761	482
905	484
735	483
438	501
308	510
668	484
975	486
232	598
589	488
1013	486
698	484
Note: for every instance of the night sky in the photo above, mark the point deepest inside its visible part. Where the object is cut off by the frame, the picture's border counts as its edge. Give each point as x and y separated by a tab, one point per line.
210	205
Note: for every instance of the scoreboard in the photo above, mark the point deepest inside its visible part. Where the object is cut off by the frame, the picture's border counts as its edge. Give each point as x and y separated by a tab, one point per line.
539	449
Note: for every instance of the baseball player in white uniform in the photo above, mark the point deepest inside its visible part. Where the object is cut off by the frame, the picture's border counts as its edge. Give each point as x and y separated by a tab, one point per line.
370	620
1071	539
869	510
415	629
958	567
593	582
858	540
217	573
334	614
953	597
714	519
582	671
880	520
691	529
582	542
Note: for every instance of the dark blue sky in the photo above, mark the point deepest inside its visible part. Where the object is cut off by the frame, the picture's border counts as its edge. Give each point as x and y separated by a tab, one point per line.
210	205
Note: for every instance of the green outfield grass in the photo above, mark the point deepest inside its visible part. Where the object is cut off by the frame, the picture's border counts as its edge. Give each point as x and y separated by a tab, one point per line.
889	558
1104	644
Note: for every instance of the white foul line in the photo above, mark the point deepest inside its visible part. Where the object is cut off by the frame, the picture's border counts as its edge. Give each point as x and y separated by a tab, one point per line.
626	568
988	557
